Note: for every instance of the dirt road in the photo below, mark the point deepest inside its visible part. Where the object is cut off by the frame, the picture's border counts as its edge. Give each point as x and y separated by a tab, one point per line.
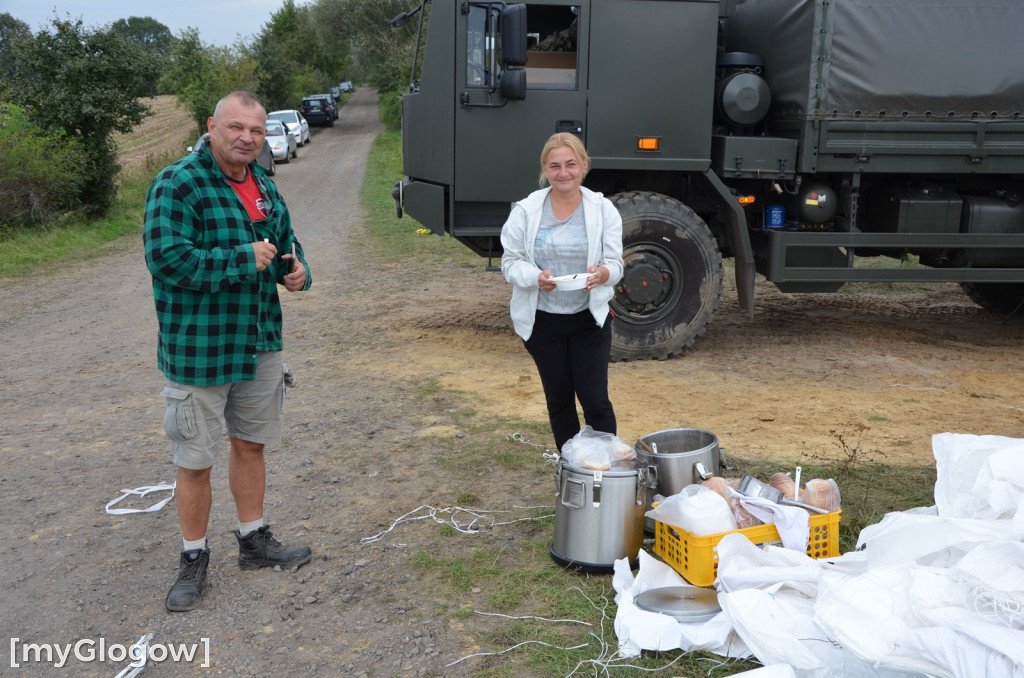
393	357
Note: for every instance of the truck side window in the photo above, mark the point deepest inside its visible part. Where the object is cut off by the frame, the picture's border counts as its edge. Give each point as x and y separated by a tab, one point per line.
483	62
551	50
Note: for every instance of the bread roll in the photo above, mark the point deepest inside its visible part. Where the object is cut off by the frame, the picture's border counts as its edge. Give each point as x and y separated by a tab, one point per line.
822	493
783	483
740	514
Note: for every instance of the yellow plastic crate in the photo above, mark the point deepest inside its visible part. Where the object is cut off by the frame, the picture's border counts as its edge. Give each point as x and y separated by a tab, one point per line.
696	558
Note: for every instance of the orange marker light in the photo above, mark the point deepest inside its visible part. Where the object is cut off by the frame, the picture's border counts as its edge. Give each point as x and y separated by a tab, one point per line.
746	199
648	144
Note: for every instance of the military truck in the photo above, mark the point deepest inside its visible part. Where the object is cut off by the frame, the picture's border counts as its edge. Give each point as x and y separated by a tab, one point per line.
814	142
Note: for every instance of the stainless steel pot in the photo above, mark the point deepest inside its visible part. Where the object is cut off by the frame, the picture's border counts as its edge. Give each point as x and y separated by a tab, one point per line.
678	457
599	515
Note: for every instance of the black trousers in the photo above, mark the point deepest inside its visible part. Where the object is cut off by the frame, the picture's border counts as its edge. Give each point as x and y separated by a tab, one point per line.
571	353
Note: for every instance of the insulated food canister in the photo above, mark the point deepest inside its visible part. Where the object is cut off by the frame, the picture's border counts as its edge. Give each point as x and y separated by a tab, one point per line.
599	515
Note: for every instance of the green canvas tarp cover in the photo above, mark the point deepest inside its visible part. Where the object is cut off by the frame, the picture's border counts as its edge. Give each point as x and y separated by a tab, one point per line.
887	59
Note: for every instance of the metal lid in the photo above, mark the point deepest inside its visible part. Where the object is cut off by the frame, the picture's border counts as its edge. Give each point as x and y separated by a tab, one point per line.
684	603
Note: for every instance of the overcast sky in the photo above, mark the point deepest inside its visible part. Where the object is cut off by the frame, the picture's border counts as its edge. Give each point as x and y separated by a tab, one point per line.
220	22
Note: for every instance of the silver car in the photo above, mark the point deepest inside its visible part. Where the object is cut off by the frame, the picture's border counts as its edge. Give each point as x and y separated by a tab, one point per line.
295	123
282	144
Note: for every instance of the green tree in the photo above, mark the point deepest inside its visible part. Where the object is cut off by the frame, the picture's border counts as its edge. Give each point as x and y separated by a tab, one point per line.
86	82
146	32
200	74
191	73
11	31
40	174
149	34
384	55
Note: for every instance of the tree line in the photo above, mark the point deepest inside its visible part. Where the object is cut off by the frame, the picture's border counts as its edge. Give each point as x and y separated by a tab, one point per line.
69	89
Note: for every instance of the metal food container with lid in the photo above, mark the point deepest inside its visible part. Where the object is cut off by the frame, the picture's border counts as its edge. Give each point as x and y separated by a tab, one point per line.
678	457
599	515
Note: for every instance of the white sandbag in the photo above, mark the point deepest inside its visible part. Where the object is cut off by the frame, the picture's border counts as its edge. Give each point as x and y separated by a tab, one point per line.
774	671
965	472
902	538
880	618
998	567
743	565
638	629
772	626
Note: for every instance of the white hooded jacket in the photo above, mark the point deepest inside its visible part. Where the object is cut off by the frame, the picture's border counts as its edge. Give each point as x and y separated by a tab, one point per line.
519	234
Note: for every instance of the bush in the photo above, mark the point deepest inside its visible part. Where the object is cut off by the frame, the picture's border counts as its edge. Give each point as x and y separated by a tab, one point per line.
41	174
390	106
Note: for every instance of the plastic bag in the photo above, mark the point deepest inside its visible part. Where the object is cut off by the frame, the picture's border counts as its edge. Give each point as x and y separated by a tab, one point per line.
822	493
722	486
697	509
595	450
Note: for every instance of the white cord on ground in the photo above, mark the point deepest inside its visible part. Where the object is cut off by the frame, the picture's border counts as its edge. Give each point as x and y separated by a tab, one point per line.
142	492
142	644
508	616
450	516
509	649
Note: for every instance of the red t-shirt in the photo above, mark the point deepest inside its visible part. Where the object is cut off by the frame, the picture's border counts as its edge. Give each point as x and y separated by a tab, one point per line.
251	197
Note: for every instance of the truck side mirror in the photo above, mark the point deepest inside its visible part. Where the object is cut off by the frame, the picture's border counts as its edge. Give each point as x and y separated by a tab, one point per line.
513	83
513	35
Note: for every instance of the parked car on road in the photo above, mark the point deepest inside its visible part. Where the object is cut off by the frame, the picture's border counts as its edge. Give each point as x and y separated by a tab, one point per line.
265	158
336	93
295	123
319	109
282	143
347	87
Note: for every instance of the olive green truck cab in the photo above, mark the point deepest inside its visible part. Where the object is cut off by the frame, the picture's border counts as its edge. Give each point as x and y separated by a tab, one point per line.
801	138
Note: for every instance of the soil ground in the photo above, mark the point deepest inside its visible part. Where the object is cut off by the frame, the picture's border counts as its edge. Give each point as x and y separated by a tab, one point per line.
395	360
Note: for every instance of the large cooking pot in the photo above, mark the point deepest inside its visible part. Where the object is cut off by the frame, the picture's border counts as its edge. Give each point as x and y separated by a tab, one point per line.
678	457
599	515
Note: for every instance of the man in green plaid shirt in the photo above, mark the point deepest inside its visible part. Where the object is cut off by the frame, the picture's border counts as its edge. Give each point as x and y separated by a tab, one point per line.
219	241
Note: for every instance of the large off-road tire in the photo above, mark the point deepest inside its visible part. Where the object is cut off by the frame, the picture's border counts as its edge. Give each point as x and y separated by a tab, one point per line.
672	283
996	297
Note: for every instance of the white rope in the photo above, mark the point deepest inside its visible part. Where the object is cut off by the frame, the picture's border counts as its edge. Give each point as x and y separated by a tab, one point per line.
142	492
603	663
509	649
450	516
507	616
143	644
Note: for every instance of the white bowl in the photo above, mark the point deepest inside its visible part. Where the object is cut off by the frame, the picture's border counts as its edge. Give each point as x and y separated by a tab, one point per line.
573	281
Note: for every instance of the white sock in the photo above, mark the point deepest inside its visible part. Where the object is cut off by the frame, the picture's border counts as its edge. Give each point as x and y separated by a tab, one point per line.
245	529
197	545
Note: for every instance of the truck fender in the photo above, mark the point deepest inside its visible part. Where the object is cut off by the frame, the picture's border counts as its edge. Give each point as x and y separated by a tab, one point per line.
739	242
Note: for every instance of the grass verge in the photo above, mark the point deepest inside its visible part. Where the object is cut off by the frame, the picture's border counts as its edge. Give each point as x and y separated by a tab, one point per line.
75	238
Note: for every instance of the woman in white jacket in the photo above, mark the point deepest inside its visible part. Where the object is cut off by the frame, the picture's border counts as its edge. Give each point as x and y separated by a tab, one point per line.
560	230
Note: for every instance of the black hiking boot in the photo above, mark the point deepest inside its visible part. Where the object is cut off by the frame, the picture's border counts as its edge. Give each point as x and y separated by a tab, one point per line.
260	549
187	591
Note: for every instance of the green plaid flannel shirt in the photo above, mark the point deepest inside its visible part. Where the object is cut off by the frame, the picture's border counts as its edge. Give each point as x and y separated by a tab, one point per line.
214	309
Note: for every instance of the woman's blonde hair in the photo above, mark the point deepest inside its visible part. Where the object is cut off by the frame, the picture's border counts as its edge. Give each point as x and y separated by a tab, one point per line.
570	141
